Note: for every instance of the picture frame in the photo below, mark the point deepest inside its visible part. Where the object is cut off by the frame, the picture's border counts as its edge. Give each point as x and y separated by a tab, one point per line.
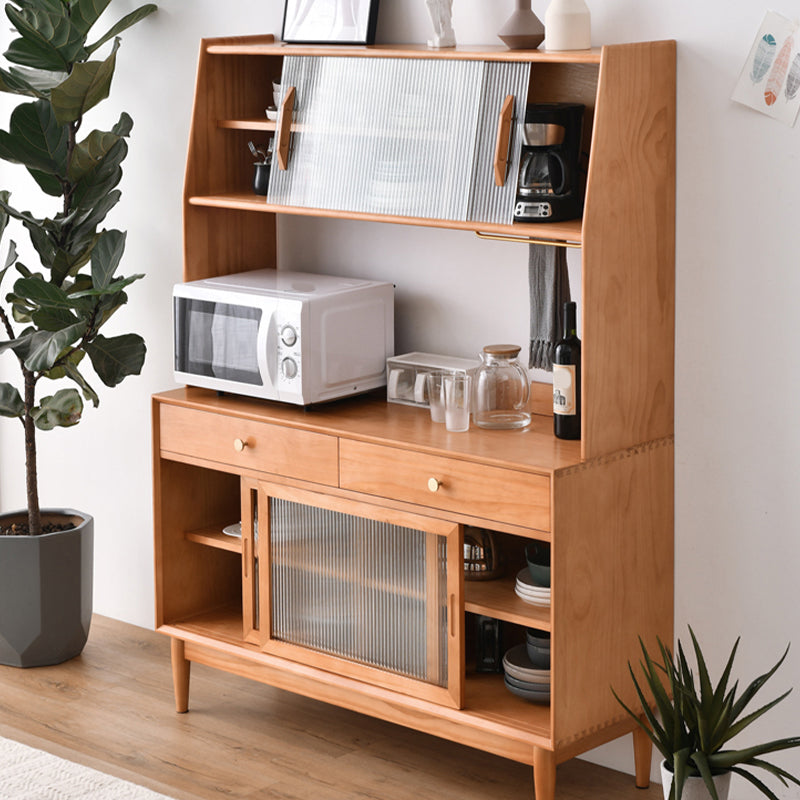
330	21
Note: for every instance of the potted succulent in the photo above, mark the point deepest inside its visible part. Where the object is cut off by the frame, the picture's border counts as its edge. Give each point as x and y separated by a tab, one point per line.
52	312
690	721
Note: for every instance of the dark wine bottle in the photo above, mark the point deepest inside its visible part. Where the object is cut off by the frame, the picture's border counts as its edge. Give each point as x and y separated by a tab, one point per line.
567	380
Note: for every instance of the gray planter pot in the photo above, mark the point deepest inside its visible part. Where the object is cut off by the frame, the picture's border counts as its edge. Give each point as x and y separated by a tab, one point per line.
45	591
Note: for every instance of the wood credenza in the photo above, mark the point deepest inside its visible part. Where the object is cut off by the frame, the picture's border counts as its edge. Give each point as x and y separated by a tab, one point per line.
604	504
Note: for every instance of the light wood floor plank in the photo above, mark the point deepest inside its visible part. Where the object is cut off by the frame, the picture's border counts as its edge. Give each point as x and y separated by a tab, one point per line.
112	709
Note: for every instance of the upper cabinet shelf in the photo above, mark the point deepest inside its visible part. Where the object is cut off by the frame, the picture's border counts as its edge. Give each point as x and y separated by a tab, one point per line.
626	231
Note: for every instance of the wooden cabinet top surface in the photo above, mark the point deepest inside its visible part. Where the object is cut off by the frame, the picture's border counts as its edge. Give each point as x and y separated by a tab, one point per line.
267	46
370	418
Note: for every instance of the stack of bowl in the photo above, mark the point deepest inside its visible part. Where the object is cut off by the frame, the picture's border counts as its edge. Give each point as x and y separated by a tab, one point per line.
533	582
523	678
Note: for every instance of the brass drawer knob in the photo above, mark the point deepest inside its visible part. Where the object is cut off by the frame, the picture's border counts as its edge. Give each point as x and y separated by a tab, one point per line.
434	484
239	445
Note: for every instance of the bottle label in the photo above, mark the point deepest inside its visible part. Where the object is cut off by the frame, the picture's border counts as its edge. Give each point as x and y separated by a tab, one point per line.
564	389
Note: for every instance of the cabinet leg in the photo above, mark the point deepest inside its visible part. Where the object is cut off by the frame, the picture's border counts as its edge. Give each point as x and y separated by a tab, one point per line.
642	756
180	675
544	774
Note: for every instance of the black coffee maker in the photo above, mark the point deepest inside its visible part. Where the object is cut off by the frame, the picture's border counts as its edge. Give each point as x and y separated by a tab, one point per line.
549	187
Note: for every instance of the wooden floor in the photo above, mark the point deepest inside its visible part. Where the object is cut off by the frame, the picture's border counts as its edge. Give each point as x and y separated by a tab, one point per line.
112	708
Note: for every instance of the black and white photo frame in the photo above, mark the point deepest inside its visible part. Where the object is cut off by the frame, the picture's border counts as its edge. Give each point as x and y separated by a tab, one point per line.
330	21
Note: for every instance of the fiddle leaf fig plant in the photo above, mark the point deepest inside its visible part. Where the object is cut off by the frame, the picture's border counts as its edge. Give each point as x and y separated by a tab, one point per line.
52	312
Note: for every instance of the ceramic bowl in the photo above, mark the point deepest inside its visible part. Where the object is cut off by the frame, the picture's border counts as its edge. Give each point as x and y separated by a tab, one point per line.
272	113
537	555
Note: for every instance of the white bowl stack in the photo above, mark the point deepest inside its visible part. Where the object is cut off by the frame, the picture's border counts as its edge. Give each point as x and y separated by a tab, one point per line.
528	591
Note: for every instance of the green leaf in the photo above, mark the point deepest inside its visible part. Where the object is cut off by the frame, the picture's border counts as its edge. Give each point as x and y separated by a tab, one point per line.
49	40
126	22
87	85
701	762
71	371
11	404
35	139
53	319
31	82
117	357
10	260
760	785
84	13
63	409
106	256
43	348
41	293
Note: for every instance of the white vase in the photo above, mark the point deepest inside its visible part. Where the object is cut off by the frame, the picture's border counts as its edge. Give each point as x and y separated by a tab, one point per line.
694	788
567	25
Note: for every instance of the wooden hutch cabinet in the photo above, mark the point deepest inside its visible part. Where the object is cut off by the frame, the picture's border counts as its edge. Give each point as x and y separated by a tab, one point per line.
366	501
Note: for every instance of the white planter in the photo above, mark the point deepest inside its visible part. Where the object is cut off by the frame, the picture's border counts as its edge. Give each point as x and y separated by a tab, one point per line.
695	788
567	25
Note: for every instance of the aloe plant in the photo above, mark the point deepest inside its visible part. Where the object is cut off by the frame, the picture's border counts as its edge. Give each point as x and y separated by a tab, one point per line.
690	720
51	318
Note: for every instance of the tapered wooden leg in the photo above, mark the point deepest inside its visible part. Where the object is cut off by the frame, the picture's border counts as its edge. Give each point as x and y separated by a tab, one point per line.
544	774
642	755
180	676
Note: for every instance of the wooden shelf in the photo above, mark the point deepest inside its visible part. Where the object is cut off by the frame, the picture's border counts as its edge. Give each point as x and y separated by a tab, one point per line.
414	51
250	124
497	599
214	537
487	702
246	201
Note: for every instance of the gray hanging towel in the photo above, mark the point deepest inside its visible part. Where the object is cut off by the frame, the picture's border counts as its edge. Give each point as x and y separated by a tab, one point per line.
548	280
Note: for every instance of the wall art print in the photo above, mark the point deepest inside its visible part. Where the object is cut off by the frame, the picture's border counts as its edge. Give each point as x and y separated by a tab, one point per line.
330	21
770	79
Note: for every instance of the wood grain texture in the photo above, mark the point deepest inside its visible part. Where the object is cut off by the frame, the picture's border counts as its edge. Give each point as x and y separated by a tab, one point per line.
629	252
267	448
111	708
490	492
612	560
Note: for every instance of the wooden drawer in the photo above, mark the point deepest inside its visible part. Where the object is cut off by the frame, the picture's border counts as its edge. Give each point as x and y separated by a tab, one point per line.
492	493
268	448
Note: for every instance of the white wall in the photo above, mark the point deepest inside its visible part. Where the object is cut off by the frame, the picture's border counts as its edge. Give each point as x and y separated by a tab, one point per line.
738	368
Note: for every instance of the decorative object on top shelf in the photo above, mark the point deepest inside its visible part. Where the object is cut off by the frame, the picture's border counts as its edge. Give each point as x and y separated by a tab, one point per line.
523	30
567	25
691	723
62	307
441	12
330	21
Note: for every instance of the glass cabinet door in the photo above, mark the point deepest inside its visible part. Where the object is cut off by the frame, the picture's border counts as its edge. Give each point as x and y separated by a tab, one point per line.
364	591
400	137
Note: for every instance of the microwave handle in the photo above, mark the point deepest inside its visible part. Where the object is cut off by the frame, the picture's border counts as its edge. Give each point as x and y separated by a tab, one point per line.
268	350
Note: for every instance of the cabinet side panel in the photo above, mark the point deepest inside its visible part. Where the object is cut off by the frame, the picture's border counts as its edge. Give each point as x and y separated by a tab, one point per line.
613	565
629	252
220	241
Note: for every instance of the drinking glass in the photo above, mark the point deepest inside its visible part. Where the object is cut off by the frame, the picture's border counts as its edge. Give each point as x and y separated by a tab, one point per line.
435	386
457	402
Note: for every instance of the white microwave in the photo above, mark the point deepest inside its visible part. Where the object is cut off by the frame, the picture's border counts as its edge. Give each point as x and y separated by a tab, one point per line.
295	337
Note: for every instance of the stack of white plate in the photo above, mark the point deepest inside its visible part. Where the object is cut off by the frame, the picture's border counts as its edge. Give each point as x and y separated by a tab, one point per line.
523	679
529	592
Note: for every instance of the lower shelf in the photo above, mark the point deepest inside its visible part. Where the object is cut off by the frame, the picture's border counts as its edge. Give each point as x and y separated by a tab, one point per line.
511	726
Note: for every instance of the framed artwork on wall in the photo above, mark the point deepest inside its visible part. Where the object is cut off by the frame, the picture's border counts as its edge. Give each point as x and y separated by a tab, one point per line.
330	21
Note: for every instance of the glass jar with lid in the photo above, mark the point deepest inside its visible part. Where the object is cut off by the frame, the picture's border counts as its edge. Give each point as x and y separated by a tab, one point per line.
501	389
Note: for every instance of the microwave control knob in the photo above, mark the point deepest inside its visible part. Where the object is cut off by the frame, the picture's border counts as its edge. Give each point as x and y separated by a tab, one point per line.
288	368
288	335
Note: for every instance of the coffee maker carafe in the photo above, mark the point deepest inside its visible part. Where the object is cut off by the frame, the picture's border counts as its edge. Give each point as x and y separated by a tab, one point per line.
549	187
